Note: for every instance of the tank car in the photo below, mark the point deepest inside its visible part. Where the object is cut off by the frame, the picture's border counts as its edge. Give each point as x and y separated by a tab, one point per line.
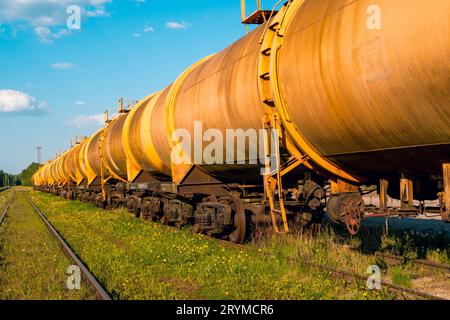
341	103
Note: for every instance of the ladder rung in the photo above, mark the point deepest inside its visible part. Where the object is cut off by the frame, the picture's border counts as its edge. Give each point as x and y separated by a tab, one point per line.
269	102
265	76
274	26
266	52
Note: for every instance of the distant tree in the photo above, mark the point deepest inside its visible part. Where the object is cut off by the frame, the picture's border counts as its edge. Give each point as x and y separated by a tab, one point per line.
2	179
8	179
24	178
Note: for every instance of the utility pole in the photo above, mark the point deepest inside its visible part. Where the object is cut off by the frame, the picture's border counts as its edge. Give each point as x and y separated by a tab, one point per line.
39	150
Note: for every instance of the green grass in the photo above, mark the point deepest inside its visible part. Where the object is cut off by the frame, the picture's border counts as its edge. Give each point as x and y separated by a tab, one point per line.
331	249
137	259
32	264
4	196
401	277
439	256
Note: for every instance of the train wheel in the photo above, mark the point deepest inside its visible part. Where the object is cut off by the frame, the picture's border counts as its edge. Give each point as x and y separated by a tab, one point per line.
240	221
165	210
347	209
354	212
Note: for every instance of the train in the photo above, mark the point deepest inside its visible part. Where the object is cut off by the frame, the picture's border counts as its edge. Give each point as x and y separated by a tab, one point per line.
325	100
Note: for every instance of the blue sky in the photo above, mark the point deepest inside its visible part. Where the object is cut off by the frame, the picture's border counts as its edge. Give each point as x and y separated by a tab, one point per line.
55	82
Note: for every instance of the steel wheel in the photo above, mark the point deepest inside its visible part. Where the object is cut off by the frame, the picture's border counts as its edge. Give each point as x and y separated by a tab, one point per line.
240	221
354	212
165	210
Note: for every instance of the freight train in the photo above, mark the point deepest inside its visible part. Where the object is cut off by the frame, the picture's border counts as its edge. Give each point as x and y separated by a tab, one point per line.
346	93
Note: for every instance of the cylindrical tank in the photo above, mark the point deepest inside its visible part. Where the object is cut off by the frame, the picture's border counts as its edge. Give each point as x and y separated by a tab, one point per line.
70	164
90	160
56	164
372	100
142	131
65	168
220	93
78	160
53	173
37	177
113	153
62	176
44	174
361	87
369	100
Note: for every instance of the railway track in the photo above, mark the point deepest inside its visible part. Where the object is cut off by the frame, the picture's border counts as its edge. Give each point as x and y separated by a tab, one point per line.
5	211
348	276
418	262
3	189
90	279
87	275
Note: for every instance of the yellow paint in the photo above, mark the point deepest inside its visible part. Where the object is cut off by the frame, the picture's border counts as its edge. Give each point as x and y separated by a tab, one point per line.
284	18
178	171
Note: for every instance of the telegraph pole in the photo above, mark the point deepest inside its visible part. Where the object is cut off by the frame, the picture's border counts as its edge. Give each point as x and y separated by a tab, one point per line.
39	150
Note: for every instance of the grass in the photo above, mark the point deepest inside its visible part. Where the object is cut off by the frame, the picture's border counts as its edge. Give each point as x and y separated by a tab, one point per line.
439	256
138	259
401	277
332	249
32	265
4	197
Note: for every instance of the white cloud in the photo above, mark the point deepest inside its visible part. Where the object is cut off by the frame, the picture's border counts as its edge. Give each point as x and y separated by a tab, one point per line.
46	35
176	25
97	12
80	103
43	32
63	65
47	17
138	2
149	29
87	120
12	101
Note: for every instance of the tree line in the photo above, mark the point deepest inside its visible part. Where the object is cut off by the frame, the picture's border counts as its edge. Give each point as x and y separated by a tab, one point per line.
22	179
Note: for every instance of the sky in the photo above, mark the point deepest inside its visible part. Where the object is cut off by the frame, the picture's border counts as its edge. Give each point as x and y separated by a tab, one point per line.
56	82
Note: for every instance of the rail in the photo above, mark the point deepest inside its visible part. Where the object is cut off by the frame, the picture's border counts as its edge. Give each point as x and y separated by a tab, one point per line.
5	211
348	276
87	275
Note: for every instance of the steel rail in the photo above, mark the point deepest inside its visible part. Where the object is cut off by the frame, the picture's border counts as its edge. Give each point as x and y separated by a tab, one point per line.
425	263
5	211
88	276
348	276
